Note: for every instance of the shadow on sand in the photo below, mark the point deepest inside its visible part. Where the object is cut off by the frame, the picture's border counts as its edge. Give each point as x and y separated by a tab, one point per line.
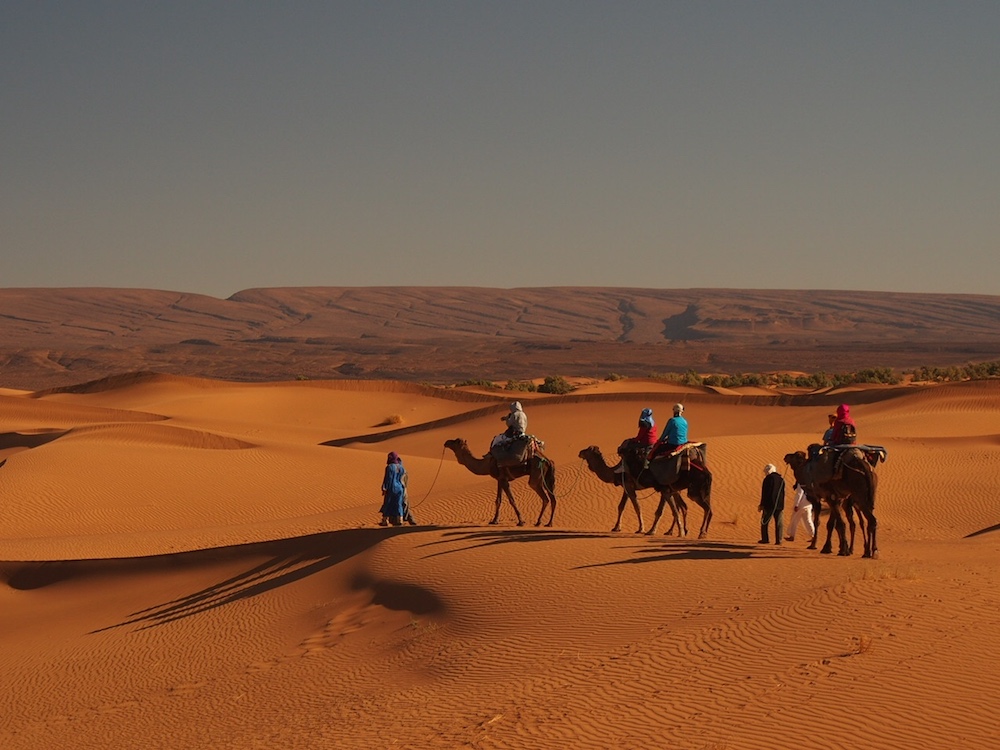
657	549
290	560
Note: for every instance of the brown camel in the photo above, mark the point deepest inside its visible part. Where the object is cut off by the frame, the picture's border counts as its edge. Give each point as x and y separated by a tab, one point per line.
841	511
696	481
596	463
847	487
541	473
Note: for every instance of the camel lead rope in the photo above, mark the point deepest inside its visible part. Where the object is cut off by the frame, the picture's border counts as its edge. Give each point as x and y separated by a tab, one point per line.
433	482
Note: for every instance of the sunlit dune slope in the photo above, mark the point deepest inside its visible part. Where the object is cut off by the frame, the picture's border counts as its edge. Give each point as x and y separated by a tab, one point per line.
195	563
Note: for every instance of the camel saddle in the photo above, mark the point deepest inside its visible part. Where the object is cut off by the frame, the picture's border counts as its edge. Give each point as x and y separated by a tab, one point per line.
874	454
829	461
667	468
516	451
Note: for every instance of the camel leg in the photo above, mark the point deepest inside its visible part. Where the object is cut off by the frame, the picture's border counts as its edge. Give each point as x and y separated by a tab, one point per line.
871	549
666	497
537	484
836	522
545	503
680	509
621	510
546	493
496	512
867	509
705	521
862	525
831	523
548	482
510	497
845	548
851	525
701	497
629	495
638	511
544	499
503	488
701	493
828	544
659	512
549	499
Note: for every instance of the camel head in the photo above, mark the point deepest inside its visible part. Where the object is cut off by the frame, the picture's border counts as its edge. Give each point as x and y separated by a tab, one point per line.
456	444
796	460
591	454
595	459
809	472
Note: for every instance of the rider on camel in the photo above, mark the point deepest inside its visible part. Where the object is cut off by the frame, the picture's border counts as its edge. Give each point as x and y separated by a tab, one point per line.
516	421
844	430
647	434
644	439
674	436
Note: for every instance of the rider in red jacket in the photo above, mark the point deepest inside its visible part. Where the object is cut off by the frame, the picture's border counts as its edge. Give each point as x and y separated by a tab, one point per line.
844	429
647	434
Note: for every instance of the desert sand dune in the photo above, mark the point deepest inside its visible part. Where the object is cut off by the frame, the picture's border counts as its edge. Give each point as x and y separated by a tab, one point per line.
194	563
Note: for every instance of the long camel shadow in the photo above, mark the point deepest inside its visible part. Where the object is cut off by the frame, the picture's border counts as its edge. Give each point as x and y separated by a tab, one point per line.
290	560
656	551
698	551
987	530
480	538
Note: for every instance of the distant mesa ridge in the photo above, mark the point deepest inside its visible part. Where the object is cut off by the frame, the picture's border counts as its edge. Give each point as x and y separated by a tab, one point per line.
58	337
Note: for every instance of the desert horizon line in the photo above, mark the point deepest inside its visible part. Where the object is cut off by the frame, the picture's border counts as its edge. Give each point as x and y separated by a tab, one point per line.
493	287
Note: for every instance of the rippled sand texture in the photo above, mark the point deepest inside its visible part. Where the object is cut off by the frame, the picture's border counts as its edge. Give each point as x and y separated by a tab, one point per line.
195	564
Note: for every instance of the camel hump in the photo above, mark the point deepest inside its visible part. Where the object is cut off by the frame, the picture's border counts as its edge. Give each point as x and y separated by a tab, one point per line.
697	452
516	451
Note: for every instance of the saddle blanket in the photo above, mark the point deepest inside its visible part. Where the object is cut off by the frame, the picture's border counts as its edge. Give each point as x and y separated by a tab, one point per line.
515	451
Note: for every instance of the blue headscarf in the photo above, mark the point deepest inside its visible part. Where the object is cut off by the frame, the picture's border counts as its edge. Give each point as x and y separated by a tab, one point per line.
646	418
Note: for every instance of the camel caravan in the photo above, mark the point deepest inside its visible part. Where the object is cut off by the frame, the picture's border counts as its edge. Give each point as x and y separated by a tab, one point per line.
670	467
837	471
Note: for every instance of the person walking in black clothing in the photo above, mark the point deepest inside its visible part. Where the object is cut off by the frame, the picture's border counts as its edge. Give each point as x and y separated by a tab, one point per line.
772	504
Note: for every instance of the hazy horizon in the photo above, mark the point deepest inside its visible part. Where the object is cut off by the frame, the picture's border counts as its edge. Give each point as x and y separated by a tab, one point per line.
775	145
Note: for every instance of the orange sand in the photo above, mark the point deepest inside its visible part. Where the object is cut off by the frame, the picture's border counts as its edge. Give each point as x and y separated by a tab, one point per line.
187	566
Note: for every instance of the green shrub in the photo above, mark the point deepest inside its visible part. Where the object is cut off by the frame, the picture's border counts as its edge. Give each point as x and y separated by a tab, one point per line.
555	384
520	385
480	383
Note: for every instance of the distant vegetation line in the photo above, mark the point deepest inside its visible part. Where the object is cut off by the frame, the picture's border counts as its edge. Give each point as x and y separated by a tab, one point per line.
873	375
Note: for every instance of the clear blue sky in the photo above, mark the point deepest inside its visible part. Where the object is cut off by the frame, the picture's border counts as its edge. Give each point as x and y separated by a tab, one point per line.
216	146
